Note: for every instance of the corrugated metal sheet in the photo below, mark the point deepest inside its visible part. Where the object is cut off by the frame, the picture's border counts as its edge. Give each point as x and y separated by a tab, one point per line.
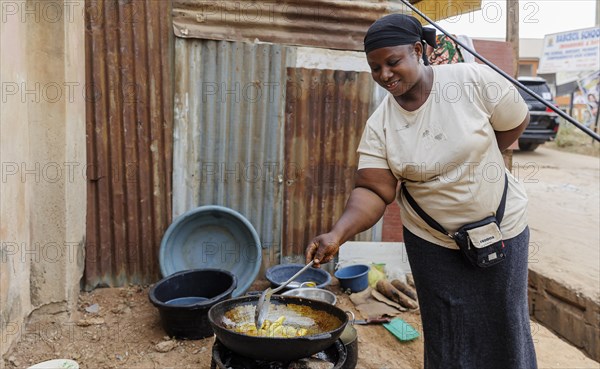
129	146
326	111
229	132
330	24
321	23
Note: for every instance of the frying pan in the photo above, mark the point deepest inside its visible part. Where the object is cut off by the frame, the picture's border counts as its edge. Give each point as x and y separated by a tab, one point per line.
325	323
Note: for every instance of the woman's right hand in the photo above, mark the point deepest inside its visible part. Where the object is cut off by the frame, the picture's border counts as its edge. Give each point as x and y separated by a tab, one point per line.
322	249
374	189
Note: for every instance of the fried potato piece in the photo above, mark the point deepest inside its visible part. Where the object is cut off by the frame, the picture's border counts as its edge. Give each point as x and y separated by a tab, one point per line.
272	329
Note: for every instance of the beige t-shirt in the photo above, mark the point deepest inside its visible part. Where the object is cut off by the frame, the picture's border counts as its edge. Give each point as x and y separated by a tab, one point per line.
446	153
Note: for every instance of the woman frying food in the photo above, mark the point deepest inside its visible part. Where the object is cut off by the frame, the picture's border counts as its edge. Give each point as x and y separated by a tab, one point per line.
440	132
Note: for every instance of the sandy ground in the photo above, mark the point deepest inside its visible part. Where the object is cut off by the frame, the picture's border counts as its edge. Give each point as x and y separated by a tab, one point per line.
564	216
126	332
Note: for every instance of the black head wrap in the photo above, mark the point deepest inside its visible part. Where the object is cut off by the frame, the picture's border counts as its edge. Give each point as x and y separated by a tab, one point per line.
397	29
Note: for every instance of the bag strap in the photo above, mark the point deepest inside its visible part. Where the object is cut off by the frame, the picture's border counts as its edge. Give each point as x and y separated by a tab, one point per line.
437	226
500	211
429	220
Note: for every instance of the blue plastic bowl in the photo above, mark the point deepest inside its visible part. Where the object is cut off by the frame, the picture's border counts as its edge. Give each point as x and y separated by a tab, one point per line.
354	277
212	237
278	274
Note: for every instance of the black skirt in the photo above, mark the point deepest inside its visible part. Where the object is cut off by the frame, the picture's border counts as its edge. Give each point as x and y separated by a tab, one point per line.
473	318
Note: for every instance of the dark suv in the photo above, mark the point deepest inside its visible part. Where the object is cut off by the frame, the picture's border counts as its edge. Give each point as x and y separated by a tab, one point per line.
543	124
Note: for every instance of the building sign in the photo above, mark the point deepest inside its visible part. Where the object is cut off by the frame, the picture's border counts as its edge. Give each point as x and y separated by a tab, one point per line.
574	51
586	98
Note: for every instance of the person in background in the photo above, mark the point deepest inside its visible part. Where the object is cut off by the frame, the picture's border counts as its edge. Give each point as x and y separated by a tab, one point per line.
440	131
446	52
592	108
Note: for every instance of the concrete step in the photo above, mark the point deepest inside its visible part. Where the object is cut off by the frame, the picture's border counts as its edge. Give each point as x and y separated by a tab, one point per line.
568	313
564	250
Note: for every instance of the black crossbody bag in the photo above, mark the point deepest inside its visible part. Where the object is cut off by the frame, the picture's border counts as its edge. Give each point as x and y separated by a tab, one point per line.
480	242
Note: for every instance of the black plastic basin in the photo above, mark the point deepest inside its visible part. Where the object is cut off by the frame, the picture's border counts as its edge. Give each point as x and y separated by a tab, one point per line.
183	300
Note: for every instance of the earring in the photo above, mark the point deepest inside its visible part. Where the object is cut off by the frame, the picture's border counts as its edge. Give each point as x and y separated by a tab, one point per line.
421	61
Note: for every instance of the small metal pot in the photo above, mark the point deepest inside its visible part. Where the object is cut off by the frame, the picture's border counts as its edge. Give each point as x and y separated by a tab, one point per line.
313	293
349	338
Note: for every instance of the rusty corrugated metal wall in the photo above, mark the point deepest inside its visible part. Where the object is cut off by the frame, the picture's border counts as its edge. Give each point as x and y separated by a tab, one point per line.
331	24
326	111
229	132
321	23
129	145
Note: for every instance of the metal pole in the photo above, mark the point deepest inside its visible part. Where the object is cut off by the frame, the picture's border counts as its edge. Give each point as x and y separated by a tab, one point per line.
512	32
585	129
597	118
571	102
512	37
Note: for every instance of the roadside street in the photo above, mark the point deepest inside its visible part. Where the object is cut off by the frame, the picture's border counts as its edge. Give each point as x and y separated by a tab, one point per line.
564	216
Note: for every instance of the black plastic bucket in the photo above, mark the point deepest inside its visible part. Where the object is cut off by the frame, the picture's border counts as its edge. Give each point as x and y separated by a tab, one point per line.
183	300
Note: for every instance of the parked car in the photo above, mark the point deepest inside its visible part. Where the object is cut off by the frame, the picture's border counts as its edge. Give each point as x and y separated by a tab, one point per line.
543	124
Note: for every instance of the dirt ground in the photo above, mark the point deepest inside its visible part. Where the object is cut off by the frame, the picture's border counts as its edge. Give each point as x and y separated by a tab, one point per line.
126	333
570	139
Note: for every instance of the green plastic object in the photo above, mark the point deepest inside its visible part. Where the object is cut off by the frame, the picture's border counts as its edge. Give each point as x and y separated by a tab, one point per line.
401	329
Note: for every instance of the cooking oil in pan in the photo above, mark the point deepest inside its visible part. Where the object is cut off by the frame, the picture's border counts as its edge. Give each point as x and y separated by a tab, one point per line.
296	317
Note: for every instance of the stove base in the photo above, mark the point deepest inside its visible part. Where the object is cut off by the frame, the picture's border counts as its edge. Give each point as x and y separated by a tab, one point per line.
223	358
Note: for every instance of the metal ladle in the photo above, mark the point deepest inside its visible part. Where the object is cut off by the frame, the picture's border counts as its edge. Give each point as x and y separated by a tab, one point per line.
262	306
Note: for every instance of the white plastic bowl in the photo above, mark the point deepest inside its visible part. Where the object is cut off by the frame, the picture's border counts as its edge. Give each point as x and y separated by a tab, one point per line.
56	364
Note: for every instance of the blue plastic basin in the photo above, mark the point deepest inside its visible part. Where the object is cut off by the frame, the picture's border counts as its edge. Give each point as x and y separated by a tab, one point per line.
353	277
278	274
213	237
